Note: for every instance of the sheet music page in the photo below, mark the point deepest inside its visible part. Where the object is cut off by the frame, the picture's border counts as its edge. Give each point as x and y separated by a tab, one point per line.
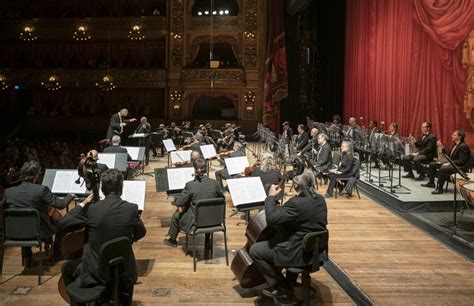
208	151
138	135
246	190
133	152
65	182
236	165
180	156
134	192
178	177
107	159
169	145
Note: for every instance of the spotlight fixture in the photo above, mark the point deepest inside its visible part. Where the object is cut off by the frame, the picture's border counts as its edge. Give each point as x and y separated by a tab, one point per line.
52	84
221	12
226	12
175	99
28	34
206	12
199	13
135	33
214	12
3	82
81	33
106	83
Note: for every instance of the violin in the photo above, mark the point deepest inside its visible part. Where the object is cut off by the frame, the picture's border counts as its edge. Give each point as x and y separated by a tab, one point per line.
225	154
249	170
182	163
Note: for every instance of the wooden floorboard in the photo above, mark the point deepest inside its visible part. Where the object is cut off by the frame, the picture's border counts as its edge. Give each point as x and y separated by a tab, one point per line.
166	274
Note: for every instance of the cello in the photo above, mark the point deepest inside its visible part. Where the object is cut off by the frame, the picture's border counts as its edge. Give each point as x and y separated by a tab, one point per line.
73	242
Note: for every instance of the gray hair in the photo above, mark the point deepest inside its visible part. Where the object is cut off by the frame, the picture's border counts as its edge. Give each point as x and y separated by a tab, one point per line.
322	135
268	162
116	139
305	181
348	144
123	111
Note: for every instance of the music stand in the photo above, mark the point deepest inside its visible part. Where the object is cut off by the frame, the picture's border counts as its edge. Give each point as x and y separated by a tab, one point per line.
455	203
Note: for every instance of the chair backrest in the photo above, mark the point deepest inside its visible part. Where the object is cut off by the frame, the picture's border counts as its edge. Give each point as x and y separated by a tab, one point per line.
21	224
115	251
313	244
209	212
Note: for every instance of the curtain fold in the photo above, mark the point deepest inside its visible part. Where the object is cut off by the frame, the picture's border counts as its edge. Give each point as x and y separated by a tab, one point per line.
403	62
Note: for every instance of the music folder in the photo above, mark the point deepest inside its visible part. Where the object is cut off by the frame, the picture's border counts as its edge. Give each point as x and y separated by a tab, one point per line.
180	156
113	160
63	181
132	192
173	180
136	153
208	151
169	145
236	165
246	191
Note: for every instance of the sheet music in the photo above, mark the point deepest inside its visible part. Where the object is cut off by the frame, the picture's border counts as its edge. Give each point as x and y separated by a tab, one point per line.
65	182
133	152
178	177
138	135
236	165
133	192
208	151
180	156
246	190
169	145
107	159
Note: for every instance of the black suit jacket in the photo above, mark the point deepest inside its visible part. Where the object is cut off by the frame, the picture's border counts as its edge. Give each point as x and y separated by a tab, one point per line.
346	163
324	157
29	195
117	149
199	189
114	126
427	146
104	220
461	155
268	178
300	215
302	141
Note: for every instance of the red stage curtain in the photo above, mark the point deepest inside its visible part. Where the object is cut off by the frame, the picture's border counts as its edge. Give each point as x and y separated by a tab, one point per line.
276	73
403	62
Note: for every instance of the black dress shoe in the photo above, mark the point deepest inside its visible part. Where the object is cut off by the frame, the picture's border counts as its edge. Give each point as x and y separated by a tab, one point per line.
409	175
437	191
170	242
429	185
275	291
421	177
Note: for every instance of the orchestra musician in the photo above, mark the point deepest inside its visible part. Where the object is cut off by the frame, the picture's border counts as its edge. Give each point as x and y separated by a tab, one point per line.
267	171
144	128
426	145
313	144
302	139
227	142
460	154
116	147
323	160
118	122
287	133
29	194
202	187
344	169
302	214
104	220
353	133
95	156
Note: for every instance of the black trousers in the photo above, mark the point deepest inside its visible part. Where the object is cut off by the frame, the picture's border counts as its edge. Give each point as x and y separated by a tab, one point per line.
332	181
174	225
262	255
416	161
442	171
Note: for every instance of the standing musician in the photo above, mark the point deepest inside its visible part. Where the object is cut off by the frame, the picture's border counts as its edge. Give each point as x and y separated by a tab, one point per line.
460	155
118	122
202	187
144	128
302	139
302	214
287	133
426	145
104	220
344	170
29	194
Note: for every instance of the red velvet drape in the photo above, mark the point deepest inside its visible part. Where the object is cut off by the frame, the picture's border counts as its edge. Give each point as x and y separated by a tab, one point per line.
403	62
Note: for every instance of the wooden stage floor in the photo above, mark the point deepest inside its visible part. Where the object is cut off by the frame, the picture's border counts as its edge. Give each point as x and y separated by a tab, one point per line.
388	259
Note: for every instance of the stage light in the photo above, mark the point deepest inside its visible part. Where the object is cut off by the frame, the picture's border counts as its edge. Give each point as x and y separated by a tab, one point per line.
214	13
206	12
199	13
226	12
221	12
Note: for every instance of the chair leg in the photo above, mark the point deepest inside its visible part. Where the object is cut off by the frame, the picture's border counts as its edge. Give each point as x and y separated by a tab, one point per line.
336	189
357	189
306	289
194	253
212	245
40	264
186	245
225	248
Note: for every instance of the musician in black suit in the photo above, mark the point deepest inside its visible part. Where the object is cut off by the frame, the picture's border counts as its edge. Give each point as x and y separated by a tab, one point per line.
323	160
313	145
287	133
344	170
144	128
302	139
117	123
426	145
223	174
28	194
201	188
460	155
267	171
104	220
353	133
116	148
302	214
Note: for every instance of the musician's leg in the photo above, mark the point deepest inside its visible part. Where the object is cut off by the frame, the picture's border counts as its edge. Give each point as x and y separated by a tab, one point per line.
26	255
331	185
443	175
174	226
432	169
407	165
418	162
71	270
147	154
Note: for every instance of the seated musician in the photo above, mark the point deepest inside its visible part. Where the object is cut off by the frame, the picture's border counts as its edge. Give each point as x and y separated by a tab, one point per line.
223	174
227	142
460	155
267	171
426	145
202	187
353	133
302	214
29	194
95	156
323	160
344	169
177	137
104	220
116	148
313	144
302	139
189	163
287	133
